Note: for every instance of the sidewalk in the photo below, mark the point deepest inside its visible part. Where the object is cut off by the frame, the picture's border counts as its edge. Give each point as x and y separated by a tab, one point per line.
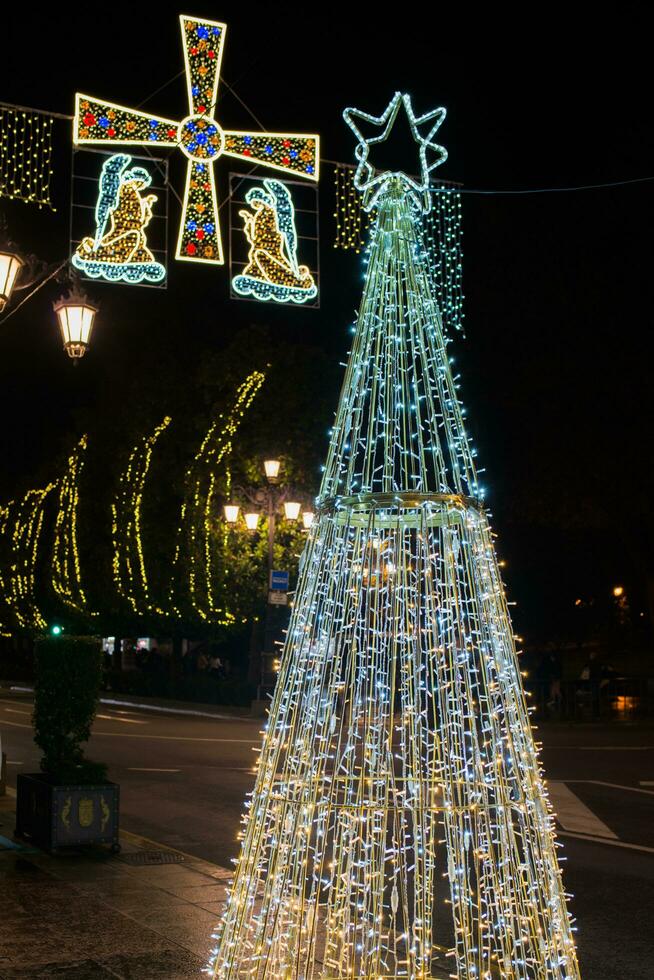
145	914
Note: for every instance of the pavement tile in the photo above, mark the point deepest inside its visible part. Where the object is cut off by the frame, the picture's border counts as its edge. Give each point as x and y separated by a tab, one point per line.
170	964
144	898
84	970
216	908
165	873
177	886
199	894
188	925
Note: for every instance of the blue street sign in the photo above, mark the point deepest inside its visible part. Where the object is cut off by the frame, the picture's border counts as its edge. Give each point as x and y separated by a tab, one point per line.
279	581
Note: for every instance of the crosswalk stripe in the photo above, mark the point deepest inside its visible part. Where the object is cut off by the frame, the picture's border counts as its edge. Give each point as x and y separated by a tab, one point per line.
575	816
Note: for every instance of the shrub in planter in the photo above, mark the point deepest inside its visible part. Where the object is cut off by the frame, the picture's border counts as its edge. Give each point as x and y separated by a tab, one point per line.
70	802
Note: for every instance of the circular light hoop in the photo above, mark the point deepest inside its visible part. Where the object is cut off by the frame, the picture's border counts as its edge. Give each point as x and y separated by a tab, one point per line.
201	139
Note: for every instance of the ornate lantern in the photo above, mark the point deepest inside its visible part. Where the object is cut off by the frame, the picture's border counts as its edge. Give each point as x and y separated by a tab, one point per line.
75	315
10	266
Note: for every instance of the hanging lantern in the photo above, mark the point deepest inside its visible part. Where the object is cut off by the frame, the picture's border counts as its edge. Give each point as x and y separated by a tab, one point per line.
10	266
75	315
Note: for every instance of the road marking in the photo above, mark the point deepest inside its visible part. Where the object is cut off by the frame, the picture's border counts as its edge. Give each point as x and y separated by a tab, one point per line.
17	711
166	738
126	721
172	710
607	840
164	709
600	782
573	815
10	762
143	769
606	748
646	782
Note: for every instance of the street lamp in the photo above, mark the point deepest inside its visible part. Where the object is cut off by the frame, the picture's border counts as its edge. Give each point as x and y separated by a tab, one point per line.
271	499
231	513
292	510
271	469
76	316
251	520
10	266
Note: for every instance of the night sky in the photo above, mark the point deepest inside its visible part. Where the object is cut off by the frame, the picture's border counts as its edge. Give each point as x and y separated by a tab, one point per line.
557	360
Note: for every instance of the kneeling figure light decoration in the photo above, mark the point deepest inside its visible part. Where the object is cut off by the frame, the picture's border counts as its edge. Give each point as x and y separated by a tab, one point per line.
272	272
119	249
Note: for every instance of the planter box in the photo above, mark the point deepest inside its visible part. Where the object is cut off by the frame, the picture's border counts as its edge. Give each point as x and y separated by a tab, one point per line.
53	816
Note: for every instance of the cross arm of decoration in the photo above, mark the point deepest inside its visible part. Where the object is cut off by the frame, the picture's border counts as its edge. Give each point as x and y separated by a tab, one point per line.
200	137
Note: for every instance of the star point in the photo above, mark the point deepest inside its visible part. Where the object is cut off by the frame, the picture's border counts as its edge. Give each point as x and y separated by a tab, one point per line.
372	185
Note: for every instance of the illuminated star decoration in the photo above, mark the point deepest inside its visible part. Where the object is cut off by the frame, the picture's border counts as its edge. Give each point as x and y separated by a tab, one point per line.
371	185
200	138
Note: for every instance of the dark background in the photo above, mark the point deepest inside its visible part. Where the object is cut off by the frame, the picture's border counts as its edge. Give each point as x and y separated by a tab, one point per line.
556	365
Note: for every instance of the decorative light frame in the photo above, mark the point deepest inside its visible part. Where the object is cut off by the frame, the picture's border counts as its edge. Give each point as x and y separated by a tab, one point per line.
200	137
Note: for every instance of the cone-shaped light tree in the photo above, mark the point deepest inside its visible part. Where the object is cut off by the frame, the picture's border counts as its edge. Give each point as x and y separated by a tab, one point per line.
399	825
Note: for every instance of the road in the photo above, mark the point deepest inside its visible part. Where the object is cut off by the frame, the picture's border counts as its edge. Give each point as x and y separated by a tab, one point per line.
184	778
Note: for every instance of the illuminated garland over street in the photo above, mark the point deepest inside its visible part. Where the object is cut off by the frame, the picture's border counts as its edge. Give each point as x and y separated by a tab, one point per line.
200	137
399	827
66	575
128	563
196	533
20	535
26	156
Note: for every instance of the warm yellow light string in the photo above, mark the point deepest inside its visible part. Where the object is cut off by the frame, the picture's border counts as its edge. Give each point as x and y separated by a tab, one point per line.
195	539
26	156
351	220
128	561
20	535
66	573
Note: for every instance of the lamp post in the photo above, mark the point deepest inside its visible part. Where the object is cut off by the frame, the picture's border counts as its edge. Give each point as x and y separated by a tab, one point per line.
272	499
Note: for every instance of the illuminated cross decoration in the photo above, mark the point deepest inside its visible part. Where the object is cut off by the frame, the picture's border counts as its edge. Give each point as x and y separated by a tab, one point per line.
199	137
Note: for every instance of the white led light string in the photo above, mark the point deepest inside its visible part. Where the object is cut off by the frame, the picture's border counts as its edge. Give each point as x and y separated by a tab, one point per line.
399	826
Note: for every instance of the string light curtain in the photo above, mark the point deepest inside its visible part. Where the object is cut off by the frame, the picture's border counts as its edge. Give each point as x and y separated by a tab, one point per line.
443	236
399	825
26	156
351	220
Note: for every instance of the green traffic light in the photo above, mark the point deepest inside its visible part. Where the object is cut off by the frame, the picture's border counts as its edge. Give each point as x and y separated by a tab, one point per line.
55	630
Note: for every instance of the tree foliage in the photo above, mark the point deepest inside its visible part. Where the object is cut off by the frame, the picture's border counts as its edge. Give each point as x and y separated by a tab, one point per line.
67	686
